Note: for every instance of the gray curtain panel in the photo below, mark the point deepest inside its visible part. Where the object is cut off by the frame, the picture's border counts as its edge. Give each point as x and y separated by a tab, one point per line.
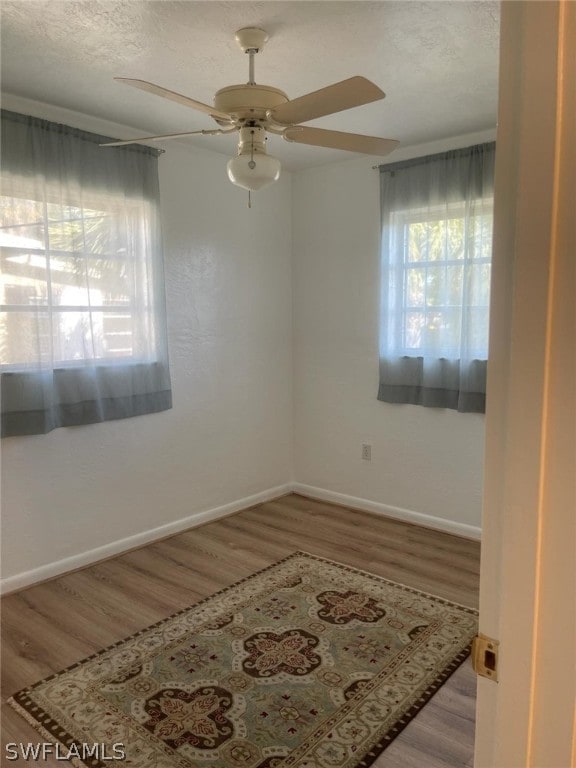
436	256
82	315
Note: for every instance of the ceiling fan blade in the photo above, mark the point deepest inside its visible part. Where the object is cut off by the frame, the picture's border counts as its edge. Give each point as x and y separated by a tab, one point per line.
353	142
215	132
334	98
144	85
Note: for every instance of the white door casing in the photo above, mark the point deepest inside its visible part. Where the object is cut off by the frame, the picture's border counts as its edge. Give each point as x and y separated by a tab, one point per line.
528	572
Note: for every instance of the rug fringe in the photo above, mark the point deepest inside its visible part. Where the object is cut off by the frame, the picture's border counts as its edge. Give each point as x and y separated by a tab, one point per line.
39	728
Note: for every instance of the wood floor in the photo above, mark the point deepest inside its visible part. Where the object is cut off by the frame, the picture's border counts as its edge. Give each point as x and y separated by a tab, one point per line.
50	626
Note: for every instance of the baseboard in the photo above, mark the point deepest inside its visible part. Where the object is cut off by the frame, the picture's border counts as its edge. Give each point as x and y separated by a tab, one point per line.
397	513
92	556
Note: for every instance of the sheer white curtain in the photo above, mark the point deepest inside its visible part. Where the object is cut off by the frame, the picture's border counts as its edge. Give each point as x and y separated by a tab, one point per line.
82	316
436	255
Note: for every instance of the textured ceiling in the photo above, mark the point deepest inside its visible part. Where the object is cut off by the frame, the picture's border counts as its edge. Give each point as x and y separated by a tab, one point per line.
436	61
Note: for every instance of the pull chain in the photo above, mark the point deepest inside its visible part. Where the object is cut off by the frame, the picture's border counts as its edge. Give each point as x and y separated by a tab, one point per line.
252	164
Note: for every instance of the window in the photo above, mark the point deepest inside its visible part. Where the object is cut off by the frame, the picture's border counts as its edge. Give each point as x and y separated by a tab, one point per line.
436	256
72	281
82	319
441	260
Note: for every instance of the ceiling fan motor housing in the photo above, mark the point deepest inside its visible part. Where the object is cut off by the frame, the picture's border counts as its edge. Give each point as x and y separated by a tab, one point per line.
248	102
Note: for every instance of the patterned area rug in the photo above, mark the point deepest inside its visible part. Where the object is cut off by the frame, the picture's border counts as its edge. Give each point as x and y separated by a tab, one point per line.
308	663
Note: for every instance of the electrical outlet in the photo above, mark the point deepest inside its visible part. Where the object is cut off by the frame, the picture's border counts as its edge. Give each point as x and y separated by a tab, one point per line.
366	452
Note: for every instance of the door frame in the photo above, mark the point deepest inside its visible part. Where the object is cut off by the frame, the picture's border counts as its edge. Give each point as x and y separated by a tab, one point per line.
528	576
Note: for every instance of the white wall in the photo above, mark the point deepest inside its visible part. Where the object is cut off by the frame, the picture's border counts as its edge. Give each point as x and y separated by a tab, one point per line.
229	434
424	460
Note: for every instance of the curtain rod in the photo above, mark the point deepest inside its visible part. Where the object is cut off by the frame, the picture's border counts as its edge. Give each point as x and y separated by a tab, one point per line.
486	145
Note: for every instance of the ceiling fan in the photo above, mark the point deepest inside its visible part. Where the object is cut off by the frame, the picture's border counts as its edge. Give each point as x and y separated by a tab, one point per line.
252	110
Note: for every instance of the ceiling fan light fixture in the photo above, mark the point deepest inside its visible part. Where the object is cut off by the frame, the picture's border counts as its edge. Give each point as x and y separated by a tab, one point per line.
253	172
253	169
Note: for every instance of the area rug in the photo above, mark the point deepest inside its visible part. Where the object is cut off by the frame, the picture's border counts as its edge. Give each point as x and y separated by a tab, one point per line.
308	663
